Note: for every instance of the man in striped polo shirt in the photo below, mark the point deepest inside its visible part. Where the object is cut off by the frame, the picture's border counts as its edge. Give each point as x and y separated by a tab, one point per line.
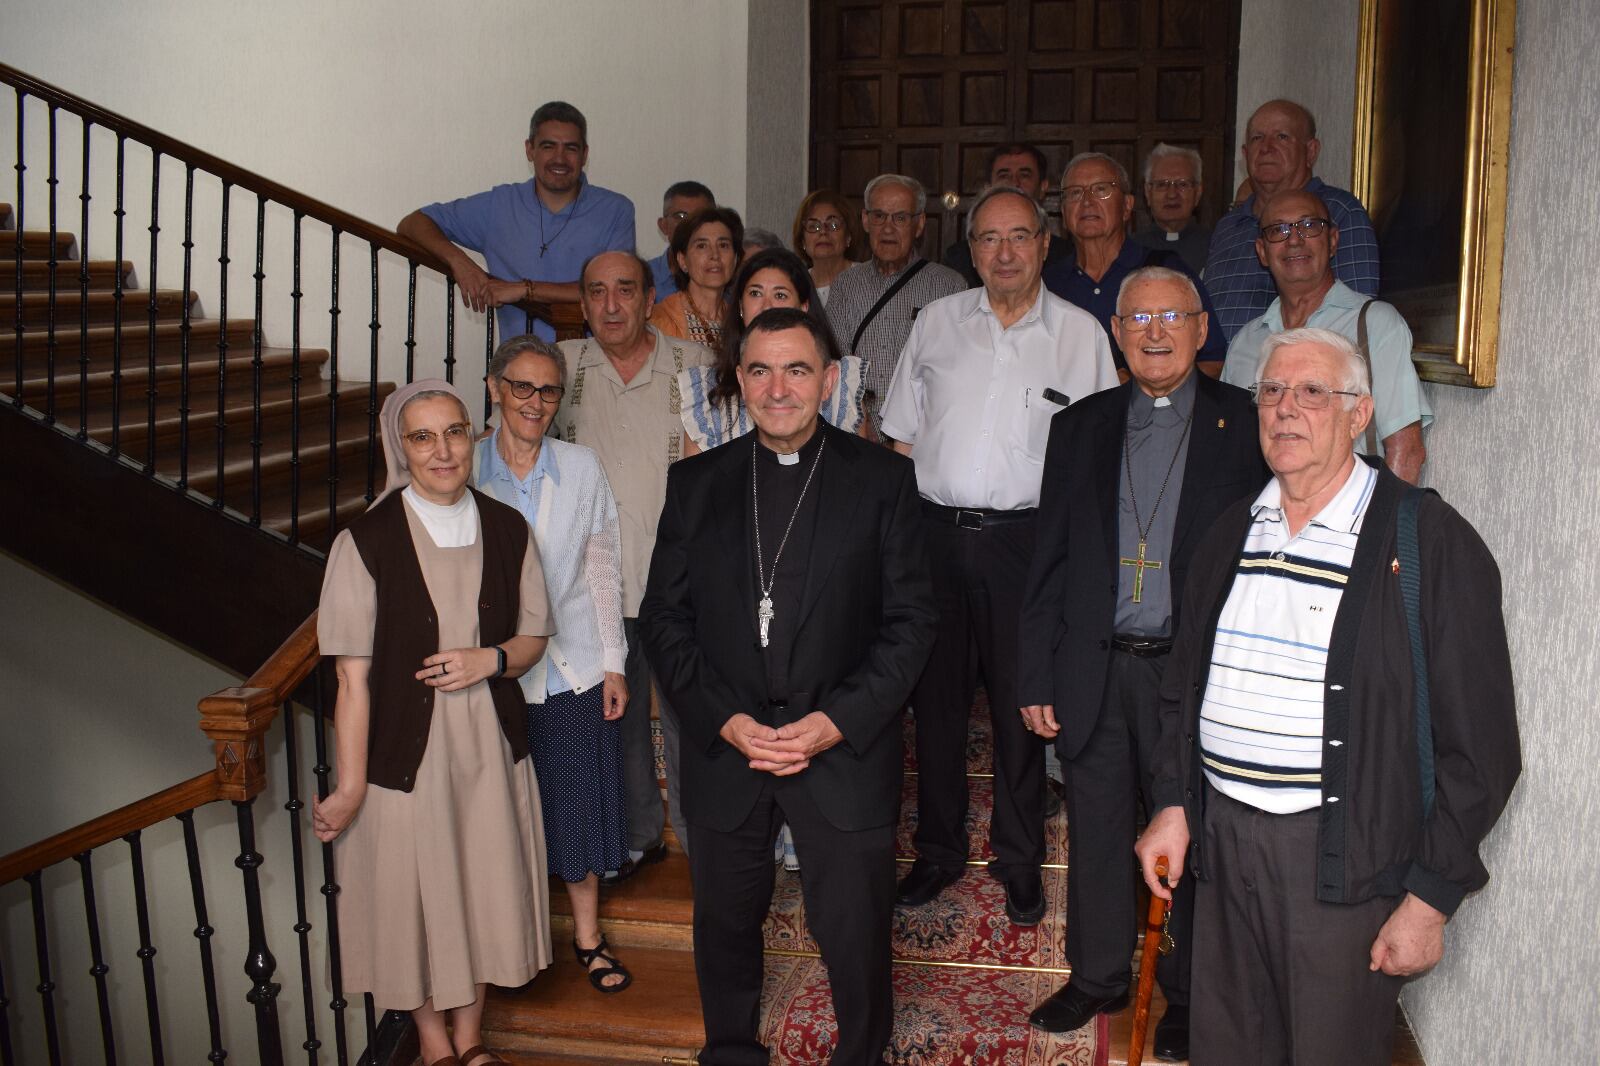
1329	848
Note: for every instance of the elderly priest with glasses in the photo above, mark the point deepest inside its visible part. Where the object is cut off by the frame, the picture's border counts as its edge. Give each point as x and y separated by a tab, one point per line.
1133	478
1338	732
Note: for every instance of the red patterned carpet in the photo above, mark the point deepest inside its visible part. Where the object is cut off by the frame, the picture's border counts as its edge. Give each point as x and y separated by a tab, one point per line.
965	977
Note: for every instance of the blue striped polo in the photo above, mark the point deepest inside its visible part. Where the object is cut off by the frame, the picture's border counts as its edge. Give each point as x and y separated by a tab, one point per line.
1261	718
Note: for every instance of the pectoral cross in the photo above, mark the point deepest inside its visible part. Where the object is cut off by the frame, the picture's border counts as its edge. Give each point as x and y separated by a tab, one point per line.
764	615
1139	565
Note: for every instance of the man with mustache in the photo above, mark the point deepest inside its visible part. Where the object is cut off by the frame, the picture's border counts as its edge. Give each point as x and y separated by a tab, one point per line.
1297	242
535	236
622	401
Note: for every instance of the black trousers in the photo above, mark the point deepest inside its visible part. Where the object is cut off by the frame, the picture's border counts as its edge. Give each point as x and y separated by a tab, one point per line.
1285	978
978	582
847	881
1103	784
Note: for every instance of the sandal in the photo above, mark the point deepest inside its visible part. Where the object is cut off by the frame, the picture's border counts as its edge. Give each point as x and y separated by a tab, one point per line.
482	1056
448	1060
602	951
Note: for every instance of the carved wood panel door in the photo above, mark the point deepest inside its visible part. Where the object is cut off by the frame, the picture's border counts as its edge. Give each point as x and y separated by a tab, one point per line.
928	87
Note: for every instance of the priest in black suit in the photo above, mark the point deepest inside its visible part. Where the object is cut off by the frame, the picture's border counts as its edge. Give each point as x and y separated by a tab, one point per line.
1133	477
788	613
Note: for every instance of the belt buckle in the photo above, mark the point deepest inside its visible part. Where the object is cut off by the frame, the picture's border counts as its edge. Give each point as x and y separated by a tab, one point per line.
972	520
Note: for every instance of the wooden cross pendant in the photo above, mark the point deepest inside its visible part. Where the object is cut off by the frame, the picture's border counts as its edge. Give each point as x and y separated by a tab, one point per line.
1139	564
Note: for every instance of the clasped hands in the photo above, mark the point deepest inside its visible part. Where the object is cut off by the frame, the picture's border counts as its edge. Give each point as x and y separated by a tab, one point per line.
482	290
785	750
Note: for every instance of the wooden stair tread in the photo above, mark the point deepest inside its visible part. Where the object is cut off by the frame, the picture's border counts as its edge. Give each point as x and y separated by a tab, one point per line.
661	1012
101	341
103	274
277	409
100	308
657	893
239	365
36	244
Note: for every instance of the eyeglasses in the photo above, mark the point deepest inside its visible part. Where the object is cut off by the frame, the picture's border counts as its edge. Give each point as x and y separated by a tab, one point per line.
523	389
1278	232
1018	240
1179	184
678	216
1140	321
423	439
899	218
1100	190
833	224
1312	395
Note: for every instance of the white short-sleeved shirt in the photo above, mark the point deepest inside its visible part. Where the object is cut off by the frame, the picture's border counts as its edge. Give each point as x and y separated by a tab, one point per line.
1397	395
970	397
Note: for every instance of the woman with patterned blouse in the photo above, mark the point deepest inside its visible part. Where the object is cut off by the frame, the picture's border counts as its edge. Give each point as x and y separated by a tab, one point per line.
705	251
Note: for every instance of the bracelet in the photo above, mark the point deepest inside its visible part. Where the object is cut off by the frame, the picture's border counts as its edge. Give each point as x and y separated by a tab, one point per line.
527	290
501	670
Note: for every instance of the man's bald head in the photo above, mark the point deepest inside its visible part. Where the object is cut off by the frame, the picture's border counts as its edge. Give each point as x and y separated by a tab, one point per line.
1280	146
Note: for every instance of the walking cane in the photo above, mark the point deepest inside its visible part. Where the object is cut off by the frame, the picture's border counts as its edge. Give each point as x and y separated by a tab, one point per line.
1156	940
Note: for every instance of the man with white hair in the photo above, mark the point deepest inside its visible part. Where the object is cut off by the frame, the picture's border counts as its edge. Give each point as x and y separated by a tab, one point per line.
1338	732
871	305
1172	191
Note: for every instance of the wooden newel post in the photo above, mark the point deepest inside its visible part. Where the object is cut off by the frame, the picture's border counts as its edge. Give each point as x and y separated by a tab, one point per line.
236	720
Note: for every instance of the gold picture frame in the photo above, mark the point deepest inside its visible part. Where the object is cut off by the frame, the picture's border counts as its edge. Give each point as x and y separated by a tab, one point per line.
1433	92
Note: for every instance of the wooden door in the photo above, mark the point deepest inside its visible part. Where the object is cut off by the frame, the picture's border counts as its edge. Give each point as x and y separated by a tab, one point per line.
929	87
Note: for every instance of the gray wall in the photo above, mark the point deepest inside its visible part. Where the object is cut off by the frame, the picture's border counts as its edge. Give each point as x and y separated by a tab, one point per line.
778	119
1518	461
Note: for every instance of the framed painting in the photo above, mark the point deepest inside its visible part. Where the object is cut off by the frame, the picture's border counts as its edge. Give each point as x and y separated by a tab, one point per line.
1432	132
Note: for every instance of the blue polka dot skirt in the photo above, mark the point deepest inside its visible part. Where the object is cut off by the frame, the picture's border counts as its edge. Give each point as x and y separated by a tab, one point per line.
577	756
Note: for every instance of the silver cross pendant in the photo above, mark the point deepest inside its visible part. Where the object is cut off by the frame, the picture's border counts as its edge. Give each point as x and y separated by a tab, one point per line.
764	614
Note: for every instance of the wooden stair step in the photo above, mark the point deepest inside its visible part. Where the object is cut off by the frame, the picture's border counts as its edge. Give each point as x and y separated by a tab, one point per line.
101	343
278	466
100	309
654	908
560	1012
276	366
5	216
277	409
313	528
36	244
103	274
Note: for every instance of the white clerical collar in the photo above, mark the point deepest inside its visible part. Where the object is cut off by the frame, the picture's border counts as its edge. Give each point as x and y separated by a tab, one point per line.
452	525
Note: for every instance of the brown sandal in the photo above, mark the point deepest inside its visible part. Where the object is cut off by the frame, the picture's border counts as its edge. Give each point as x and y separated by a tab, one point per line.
481	1055
448	1060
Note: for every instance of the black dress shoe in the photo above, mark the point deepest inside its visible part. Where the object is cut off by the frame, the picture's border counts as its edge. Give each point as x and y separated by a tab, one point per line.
924	883
653	854
1172	1035
1070	1009
1024	897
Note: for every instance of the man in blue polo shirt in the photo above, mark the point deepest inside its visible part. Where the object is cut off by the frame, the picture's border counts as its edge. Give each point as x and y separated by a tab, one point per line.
1096	204
536	235
1280	148
682	199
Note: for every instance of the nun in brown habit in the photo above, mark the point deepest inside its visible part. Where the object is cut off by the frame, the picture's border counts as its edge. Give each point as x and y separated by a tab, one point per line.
432	604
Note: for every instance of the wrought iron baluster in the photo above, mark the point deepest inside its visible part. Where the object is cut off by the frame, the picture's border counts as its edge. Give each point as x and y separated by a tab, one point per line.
16	316
333	396
302	926
449	329
147	951
411	321
203	932
488	355
220	491
372	1015
259	965
51	181
7	1056
330	887
294	392
47	987
83	293
372	387
184	327
151	313
98	969
116	308
255	367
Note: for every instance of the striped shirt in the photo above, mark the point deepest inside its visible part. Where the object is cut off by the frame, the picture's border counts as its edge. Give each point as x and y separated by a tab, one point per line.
1261	719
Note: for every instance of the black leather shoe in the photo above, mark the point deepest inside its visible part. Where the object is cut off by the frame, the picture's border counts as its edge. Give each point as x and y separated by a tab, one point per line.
653	854
1024	897
924	883
1070	1009
1172	1035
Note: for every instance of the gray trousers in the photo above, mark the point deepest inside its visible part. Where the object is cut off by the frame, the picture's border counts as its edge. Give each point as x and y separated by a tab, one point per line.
640	785
1282	977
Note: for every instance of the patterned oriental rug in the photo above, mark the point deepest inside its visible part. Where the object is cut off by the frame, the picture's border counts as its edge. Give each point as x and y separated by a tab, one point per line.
965	977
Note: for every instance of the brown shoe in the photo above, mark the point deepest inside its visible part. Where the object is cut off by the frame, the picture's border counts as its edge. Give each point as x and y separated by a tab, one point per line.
481	1056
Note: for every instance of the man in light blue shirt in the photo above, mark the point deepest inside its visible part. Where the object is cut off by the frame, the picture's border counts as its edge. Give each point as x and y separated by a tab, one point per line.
536	235
1297	244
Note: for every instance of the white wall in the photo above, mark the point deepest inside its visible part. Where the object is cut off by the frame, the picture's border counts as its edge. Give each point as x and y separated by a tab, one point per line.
779	113
376	108
1518	461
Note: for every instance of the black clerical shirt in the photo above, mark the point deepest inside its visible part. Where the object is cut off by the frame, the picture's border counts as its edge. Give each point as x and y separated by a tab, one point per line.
778	487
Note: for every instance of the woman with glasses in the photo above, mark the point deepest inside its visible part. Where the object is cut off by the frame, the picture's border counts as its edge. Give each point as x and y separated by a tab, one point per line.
433	602
828	237
576	693
705	251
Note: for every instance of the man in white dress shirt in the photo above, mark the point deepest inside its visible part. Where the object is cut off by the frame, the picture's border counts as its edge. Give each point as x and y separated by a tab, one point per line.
981	375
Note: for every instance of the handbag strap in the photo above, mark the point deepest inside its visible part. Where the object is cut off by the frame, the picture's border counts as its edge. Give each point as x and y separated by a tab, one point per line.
899	284
1366	357
1410	558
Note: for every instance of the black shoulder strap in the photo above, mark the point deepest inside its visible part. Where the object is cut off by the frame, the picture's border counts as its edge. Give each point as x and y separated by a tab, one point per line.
1410	559
883	300
1366	357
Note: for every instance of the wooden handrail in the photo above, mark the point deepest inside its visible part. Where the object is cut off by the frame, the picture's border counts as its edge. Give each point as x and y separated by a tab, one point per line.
141	814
